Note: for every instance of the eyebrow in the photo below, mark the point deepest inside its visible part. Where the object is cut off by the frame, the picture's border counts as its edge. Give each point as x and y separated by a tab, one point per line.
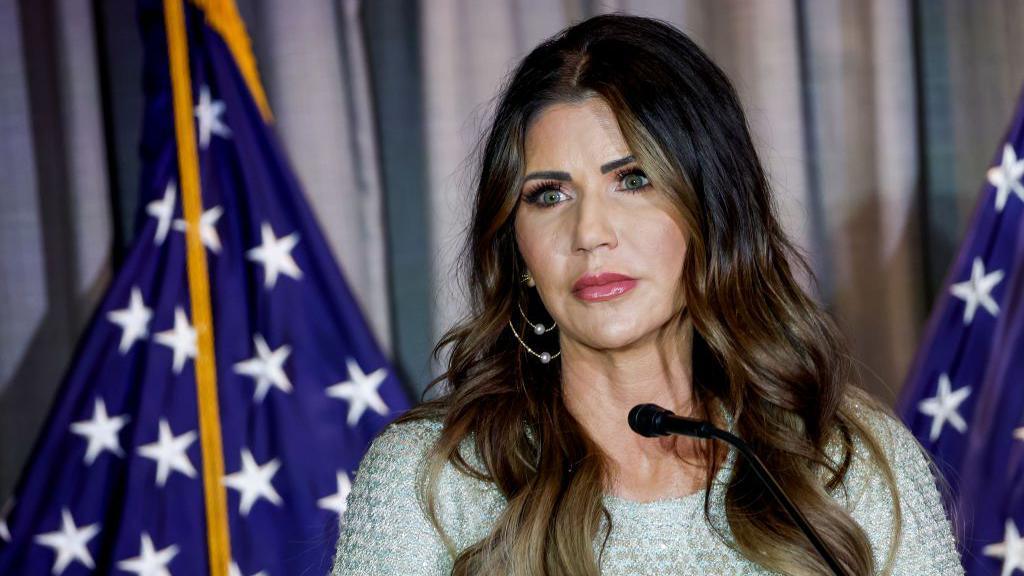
557	175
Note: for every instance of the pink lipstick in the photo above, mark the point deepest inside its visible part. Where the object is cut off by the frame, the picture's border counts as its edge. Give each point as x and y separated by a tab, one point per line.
603	286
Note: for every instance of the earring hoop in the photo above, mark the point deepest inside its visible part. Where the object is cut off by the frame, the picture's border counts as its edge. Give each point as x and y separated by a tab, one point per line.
538	328
544	357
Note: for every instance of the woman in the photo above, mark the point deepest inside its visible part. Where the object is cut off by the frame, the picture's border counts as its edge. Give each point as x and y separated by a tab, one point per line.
624	249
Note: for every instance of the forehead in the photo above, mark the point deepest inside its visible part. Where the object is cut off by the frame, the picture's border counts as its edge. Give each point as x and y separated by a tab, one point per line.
564	132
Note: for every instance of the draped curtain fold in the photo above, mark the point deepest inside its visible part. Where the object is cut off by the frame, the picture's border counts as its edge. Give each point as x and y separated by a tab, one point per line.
875	120
55	208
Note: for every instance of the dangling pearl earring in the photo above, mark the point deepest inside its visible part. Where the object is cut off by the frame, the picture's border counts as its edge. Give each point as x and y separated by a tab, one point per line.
544	357
538	328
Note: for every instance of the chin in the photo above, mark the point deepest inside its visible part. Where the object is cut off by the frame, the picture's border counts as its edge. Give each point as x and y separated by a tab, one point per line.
612	338
611	335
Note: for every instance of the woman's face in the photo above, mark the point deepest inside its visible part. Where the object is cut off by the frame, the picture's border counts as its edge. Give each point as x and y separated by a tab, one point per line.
586	210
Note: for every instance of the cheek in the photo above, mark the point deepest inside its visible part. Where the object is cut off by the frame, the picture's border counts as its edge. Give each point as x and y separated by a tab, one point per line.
526	241
537	240
665	245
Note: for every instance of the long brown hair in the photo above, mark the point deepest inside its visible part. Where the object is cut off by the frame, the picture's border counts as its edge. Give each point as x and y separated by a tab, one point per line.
761	348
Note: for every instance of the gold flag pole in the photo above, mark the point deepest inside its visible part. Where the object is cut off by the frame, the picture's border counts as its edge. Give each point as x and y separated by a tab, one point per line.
222	16
217	536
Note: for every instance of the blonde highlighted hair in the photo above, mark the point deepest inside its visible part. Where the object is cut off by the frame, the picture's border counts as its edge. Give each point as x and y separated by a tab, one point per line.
761	349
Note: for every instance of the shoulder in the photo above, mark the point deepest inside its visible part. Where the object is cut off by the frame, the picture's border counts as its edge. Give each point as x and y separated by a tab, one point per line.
902	452
926	543
400	446
908	461
399	453
384	528
386	506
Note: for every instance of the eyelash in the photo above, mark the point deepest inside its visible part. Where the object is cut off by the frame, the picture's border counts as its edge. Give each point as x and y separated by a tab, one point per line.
533	195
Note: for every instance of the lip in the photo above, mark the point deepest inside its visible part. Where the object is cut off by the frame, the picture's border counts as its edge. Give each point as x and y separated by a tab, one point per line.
603	286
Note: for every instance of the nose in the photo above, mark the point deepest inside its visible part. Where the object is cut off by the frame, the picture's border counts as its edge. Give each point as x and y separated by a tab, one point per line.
594	223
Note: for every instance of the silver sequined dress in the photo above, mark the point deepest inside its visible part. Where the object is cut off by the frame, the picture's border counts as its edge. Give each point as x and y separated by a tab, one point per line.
384	531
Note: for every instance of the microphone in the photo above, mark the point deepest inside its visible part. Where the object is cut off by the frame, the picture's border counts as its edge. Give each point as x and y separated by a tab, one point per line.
651	420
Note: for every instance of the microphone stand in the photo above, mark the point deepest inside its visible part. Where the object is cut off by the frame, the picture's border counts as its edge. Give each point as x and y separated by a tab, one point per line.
651	420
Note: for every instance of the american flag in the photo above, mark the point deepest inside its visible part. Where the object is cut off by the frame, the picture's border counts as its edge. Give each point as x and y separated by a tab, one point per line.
964	398
115	483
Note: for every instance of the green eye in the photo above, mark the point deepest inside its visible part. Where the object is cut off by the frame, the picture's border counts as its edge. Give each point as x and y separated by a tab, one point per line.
545	196
550	197
635	180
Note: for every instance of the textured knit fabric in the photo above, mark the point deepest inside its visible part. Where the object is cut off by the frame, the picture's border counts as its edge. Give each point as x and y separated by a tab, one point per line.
384	530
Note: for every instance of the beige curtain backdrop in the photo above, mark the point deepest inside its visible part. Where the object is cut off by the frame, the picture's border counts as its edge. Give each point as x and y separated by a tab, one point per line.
876	121
55	213
832	95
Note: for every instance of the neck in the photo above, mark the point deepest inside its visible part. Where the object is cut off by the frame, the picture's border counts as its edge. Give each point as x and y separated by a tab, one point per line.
601	386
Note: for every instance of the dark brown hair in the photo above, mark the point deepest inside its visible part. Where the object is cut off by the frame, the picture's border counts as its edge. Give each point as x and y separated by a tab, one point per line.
761	348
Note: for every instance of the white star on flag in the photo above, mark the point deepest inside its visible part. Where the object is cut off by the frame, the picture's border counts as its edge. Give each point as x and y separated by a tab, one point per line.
337	502
943	407
208	113
207	228
71	543
275	254
1019	433
163	211
360	391
181	339
5	532
100	431
133	320
169	452
1011	550
234	570
1006	177
266	367
253	482
977	290
150	561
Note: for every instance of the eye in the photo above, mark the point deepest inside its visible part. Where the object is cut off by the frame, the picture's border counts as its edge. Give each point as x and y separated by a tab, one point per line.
544	195
634	179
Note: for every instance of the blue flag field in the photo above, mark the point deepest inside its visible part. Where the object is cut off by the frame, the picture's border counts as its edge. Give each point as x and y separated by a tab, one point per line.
227	387
964	398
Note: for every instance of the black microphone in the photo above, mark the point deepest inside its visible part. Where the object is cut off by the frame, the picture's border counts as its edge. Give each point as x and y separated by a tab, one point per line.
651	420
